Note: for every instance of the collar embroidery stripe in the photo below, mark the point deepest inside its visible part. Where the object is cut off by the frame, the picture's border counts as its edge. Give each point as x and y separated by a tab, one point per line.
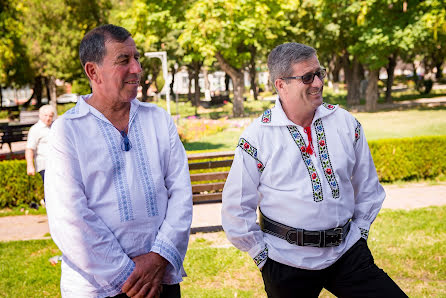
266	117
251	150
328	106
314	177
325	158
357	132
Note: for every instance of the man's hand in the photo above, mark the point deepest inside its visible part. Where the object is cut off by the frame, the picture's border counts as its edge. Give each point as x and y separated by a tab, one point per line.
146	278
30	170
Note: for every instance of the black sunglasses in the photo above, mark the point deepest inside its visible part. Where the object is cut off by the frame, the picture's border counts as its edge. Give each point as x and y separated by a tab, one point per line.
125	144
309	77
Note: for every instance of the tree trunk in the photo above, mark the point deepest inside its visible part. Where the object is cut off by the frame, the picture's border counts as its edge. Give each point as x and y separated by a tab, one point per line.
173	72
207	85
52	96
238	84
1	97
145	84
371	97
438	65
197	68
227	78
189	90
353	79
390	77
253	73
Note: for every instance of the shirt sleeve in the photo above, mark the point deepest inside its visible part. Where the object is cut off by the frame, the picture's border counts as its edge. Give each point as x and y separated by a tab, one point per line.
173	236
369	194
87	244
32	140
240	201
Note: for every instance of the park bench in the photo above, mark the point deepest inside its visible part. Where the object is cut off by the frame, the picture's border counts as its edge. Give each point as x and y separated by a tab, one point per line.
208	172
10	133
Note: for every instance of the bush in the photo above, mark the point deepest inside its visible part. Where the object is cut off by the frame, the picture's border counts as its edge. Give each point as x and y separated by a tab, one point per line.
16	187
409	158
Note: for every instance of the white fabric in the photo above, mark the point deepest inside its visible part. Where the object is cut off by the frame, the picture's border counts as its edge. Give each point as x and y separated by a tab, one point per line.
284	190
38	141
106	206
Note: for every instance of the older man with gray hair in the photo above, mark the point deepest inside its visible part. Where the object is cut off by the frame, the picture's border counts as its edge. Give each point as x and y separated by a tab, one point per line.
307	166
37	143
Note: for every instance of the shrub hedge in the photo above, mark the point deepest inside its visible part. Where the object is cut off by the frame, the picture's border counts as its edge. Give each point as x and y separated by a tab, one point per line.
409	158
16	187
395	159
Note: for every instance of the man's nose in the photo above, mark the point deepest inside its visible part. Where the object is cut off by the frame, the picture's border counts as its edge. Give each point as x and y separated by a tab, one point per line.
136	66
317	81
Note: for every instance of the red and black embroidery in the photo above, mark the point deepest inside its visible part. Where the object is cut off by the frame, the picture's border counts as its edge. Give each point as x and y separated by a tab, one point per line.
357	132
328	106
325	158
251	150
314	177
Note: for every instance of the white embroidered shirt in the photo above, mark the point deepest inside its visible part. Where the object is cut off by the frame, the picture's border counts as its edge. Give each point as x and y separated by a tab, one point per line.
273	170
106	205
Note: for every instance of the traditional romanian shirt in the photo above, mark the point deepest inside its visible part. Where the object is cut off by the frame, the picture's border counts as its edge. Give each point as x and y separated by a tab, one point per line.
314	187
106	205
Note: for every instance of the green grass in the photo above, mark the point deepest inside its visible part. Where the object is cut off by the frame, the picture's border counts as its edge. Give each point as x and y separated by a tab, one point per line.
408	245
22	210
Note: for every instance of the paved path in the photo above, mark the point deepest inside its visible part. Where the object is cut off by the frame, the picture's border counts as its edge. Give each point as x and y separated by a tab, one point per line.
207	216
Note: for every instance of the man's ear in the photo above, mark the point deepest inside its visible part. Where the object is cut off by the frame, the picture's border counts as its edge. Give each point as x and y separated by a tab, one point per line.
279	84
91	69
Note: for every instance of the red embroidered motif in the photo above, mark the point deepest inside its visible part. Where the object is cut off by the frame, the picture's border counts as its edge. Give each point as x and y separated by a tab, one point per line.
328	171
302	149
322	143
259	165
313	176
246	145
309	149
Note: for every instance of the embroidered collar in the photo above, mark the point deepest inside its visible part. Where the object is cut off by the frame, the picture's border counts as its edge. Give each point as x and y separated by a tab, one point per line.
82	108
277	117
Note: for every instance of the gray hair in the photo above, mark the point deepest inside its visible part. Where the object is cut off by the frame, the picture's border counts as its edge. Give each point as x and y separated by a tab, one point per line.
283	57
92	47
46	108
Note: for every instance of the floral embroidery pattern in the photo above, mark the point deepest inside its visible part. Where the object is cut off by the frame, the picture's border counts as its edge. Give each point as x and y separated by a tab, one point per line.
116	284
261	257
315	180
357	132
325	159
266	117
364	233
251	150
328	106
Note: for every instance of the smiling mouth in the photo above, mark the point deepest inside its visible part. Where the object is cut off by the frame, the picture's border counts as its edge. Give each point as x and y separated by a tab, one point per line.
136	82
314	92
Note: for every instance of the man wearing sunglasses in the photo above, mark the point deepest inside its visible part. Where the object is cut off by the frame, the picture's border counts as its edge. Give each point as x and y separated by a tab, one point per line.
306	166
118	191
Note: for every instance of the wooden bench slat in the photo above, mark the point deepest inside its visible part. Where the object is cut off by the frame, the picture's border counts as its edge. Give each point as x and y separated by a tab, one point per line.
207	187
210	164
196	156
209	176
207	198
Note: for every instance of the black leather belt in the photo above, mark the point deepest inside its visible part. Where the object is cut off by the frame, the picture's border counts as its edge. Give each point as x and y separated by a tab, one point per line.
301	237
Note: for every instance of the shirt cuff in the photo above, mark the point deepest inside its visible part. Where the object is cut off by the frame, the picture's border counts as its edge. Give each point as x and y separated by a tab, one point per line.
167	250
259	254
114	288
364	227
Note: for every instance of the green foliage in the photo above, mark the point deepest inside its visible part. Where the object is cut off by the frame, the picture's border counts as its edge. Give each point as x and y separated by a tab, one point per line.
16	187
81	86
409	158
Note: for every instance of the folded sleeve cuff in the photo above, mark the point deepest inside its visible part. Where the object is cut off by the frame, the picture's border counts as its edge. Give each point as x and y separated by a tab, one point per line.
115	286
167	250
259	254
364	227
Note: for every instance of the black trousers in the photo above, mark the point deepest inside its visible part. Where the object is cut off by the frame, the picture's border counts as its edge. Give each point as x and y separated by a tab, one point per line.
353	275
169	291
